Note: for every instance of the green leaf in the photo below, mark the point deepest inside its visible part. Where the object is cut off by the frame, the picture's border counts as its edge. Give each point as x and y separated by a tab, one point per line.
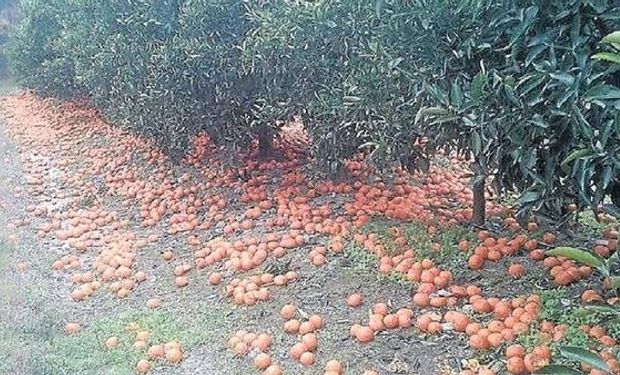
582	256
351	99
477	88
603	92
428	112
614	282
613	38
607	56
565	78
379	7
604	137
607	175
557	370
575	30
577	154
456	95
534	52
476	143
584	126
394	63
603	309
529	196
582	355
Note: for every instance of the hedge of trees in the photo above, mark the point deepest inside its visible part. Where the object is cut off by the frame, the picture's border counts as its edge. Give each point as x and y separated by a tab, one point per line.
8	16
509	83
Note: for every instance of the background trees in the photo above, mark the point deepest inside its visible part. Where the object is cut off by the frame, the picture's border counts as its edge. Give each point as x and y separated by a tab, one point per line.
508	84
9	15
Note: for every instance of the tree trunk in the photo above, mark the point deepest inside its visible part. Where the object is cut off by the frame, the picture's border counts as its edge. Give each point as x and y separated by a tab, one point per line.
479	214
336	170
265	143
479	209
614	192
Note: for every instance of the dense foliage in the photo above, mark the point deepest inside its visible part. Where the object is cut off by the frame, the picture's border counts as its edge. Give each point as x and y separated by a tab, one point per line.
509	83
8	16
536	103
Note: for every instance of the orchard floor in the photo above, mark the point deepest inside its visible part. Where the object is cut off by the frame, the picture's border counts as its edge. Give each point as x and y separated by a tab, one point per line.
78	197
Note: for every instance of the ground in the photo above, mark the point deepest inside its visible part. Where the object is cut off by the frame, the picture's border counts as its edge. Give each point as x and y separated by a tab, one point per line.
89	213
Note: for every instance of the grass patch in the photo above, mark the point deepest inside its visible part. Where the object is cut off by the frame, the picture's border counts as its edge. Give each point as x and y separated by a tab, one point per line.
363	262
557	307
446	238
424	246
381	228
360	259
421	242
85	353
588	225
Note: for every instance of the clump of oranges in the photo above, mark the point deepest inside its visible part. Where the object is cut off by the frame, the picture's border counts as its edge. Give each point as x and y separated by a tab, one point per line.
304	350
565	271
254	289
493	249
380	319
243	342
512	317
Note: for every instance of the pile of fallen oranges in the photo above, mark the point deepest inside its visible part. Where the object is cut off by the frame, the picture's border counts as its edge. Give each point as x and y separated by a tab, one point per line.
236	219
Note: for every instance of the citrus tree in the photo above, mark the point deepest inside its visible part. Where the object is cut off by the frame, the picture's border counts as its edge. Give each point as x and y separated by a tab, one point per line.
510	84
607	96
545	100
300	53
562	93
165	69
34	57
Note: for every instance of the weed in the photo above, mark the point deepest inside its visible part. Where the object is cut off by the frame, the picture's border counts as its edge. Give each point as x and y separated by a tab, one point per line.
551	304
588	225
360	258
531	339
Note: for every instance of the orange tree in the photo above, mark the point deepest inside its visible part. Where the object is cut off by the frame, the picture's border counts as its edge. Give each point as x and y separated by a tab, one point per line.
301	52
361	70
547	122
34	58
509	83
167	69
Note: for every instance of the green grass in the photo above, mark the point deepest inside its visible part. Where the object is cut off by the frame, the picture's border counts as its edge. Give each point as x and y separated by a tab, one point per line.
449	256
360	259
418	240
85	352
381	228
557	307
588	225
421	242
363	262
37	343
